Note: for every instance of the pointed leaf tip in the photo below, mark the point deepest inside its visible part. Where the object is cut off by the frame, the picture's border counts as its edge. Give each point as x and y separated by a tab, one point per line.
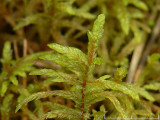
97	30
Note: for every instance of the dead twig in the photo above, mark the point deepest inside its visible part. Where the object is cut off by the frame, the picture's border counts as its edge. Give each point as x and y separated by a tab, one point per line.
25	47
24	54
15	49
134	72
134	62
155	33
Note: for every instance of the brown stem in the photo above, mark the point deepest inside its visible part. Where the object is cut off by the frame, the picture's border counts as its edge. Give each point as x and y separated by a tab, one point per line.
25	47
15	47
155	33
134	62
90	59
24	54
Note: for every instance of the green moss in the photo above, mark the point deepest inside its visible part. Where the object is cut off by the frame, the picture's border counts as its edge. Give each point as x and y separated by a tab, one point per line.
86	74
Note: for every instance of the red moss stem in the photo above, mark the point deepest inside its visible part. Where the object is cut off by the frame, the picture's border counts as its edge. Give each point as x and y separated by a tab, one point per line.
90	58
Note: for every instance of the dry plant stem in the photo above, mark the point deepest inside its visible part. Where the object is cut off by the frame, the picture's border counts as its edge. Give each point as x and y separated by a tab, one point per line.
134	62
15	49
25	47
25	79
138	52
24	54
154	36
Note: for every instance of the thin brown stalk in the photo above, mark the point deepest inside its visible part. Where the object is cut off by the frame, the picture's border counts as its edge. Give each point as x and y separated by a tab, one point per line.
134	62
25	45
155	33
24	54
15	49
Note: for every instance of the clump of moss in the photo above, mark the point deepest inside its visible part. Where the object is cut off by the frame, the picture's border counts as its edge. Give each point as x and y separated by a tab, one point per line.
129	48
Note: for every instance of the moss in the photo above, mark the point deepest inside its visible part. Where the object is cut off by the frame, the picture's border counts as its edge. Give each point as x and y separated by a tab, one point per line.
117	78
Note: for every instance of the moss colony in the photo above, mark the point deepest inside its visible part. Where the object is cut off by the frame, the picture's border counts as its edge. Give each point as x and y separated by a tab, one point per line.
79	59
